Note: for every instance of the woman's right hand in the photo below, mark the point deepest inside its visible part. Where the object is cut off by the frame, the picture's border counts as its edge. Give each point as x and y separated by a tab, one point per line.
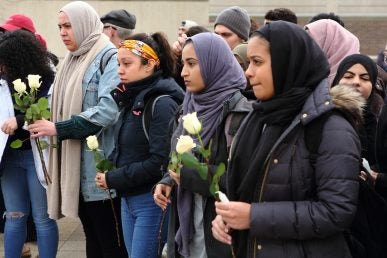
161	195
220	230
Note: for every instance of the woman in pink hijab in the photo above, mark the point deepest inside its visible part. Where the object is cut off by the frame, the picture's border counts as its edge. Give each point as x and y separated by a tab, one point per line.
335	41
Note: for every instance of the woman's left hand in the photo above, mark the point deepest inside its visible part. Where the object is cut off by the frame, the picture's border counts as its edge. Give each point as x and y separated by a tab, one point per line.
236	215
100	180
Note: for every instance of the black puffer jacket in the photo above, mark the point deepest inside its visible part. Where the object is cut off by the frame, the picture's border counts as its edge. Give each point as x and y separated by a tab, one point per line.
138	160
301	211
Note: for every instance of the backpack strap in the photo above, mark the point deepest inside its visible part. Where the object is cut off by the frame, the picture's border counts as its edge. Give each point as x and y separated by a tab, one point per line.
149	109
106	58
232	124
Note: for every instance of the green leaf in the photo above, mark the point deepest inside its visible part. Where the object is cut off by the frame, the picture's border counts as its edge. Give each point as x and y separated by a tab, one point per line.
46	114
189	160
28	115
35	109
16	144
27	101
203	171
104	165
43	103
43	144
214	187
173	161
18	101
205	153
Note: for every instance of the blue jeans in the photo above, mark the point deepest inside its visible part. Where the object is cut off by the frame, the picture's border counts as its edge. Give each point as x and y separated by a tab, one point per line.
141	219
22	190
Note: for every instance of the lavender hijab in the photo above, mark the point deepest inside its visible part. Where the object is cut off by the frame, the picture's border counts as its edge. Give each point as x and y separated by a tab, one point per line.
222	76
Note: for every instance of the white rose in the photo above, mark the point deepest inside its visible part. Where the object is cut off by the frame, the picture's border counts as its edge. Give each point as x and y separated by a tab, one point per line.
92	142
184	144
19	86
33	81
191	123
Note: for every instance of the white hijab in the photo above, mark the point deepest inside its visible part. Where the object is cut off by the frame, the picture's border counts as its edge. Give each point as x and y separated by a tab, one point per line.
65	161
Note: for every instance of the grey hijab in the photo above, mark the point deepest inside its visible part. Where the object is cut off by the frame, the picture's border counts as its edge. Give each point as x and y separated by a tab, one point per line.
222	76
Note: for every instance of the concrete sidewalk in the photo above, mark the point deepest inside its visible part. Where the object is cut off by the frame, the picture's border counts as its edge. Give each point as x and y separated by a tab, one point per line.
71	240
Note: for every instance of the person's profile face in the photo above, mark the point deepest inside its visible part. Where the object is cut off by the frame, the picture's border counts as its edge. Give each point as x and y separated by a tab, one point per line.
259	72
191	72
66	32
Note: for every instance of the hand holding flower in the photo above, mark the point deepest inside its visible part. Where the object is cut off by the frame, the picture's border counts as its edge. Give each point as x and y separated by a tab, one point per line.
100	180
183	156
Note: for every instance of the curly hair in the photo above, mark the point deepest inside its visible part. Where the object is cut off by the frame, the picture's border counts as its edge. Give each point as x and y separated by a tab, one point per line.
21	54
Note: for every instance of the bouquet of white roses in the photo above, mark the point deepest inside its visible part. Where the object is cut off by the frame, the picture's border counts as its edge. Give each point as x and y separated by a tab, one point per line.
33	109
183	154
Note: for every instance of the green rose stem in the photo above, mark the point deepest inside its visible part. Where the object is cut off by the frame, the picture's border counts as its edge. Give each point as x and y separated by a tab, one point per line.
103	165
115	217
46	175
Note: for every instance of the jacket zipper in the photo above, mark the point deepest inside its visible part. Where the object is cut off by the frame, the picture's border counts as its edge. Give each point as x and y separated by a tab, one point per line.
260	199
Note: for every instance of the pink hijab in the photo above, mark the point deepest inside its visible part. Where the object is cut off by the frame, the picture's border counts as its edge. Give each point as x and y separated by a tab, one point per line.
335	41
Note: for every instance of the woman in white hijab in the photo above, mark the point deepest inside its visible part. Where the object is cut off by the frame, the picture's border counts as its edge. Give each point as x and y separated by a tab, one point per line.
82	106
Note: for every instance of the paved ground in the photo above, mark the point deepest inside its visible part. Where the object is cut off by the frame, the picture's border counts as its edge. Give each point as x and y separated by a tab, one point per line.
71	240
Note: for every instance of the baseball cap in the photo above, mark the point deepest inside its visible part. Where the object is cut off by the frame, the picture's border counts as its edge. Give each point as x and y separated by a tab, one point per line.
17	22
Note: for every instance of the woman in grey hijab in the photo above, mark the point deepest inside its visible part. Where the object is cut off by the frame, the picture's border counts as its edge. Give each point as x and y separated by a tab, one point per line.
214	81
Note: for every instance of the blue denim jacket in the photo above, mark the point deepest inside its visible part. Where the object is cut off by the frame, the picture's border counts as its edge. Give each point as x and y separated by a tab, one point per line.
98	107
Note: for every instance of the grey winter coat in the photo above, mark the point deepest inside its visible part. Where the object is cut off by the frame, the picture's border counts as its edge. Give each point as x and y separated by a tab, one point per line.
301	211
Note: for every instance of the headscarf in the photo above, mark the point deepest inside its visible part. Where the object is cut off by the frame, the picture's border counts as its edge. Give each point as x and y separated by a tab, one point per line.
350	61
241	52
335	41
367	132
64	165
298	67
222	76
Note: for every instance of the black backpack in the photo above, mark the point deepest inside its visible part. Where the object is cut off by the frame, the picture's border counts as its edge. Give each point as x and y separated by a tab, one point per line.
367	235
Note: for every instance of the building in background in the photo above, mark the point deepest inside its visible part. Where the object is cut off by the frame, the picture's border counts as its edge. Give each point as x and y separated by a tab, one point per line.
367	19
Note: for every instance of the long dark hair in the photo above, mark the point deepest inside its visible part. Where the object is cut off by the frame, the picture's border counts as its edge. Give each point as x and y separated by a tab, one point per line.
21	54
160	45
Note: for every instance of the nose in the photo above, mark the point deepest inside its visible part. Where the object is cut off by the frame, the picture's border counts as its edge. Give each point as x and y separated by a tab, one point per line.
248	71
356	81
62	32
184	72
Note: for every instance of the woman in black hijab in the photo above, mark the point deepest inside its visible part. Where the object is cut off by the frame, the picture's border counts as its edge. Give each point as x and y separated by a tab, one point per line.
282	205
360	72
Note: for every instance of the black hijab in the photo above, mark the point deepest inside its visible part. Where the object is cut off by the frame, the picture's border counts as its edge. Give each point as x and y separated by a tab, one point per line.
367	132
298	66
350	61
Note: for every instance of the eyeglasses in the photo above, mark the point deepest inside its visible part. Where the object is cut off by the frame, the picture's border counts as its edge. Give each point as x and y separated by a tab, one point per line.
109	26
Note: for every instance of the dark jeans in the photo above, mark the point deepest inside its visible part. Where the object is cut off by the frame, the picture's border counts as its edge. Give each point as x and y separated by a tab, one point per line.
98	223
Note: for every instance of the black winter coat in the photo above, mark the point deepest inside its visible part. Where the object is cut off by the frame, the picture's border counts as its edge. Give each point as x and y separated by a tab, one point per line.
139	161
300	211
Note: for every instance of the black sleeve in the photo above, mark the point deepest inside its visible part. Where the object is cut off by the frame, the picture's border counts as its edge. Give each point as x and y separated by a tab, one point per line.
75	128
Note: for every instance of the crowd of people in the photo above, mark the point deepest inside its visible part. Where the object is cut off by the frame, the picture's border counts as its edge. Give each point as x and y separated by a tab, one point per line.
296	115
